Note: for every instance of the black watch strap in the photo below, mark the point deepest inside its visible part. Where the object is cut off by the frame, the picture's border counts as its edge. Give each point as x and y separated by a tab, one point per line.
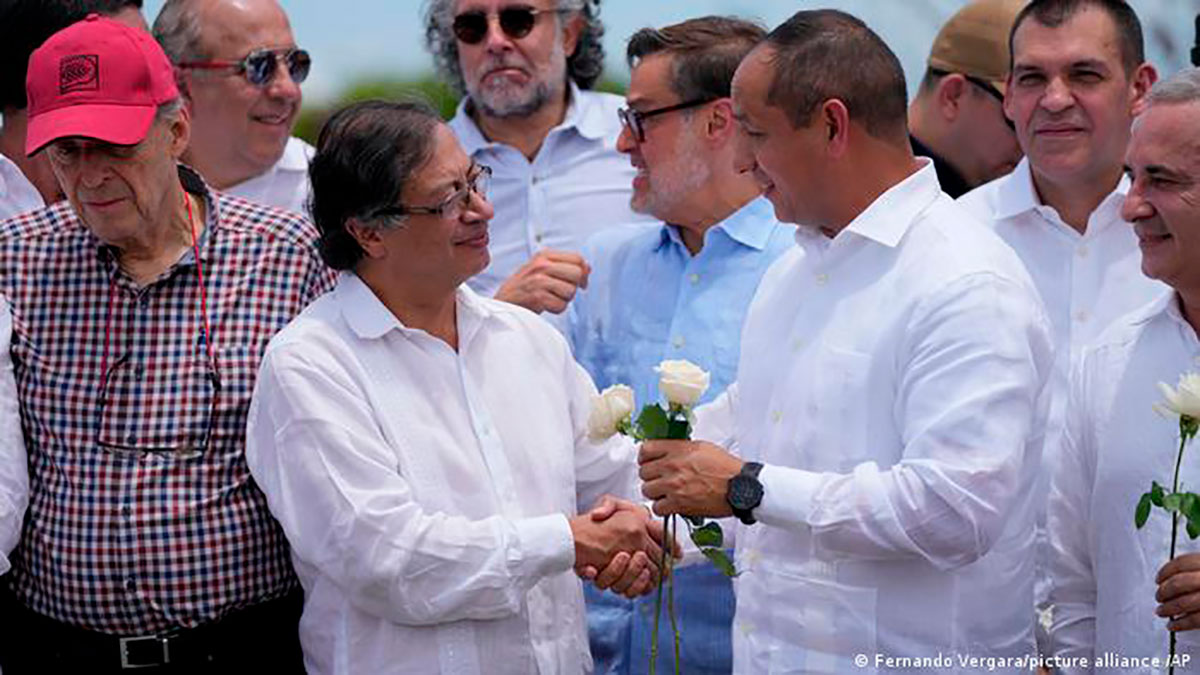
745	492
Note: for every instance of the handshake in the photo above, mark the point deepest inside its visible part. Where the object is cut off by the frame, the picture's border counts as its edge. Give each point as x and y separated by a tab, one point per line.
619	546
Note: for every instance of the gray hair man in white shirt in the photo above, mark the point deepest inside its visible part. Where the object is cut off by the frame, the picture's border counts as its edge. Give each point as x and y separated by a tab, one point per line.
880	441
1110	579
240	71
526	68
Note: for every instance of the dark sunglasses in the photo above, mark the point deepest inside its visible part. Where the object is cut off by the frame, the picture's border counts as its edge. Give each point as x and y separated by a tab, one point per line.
259	66
635	120
987	87
472	27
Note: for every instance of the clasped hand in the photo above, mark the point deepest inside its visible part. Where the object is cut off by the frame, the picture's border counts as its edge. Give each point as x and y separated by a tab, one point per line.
618	546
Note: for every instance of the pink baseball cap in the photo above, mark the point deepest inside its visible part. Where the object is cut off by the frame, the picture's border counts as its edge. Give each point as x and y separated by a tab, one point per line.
96	78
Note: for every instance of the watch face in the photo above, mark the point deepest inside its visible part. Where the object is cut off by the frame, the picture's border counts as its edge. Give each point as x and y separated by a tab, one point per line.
745	492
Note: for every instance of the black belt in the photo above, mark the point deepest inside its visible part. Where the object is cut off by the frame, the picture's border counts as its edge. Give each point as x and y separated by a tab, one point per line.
263	632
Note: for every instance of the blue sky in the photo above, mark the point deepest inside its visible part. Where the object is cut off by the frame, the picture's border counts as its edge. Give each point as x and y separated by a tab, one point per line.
356	39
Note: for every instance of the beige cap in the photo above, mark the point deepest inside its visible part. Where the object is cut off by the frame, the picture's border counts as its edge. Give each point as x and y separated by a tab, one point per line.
975	40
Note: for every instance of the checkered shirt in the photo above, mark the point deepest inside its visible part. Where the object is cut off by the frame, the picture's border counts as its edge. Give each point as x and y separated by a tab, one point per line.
167	531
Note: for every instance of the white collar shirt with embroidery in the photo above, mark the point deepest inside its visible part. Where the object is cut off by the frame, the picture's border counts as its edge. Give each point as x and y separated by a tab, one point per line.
891	380
426	491
1114	444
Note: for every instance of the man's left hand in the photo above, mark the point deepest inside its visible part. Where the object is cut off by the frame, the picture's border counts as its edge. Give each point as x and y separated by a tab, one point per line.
687	477
1179	592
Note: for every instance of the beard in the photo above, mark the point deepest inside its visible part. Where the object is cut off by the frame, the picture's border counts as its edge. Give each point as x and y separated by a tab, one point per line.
504	99
674	185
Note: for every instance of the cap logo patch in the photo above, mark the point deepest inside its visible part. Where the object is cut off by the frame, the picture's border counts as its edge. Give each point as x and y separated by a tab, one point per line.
79	73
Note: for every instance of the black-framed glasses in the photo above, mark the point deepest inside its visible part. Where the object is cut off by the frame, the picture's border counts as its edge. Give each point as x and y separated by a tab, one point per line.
988	88
472	27
259	66
635	120
479	178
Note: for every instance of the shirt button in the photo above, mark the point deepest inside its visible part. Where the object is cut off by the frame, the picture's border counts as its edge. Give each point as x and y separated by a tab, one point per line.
694	278
144	301
797	344
776	416
139	371
130	584
1082	316
677	342
126	511
538	237
822	279
131	439
1082	251
745	626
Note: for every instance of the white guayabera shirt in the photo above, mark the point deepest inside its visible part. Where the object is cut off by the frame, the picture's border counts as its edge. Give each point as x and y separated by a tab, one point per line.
17	194
1103	568
1086	281
891	380
285	185
425	492
14	470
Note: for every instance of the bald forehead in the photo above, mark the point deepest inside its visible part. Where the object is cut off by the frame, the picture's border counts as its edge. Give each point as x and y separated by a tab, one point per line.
224	23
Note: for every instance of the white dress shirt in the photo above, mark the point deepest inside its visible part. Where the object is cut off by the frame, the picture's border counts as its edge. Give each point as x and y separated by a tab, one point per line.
891	381
577	184
425	492
284	185
17	194
1114	444
14	470
1086	282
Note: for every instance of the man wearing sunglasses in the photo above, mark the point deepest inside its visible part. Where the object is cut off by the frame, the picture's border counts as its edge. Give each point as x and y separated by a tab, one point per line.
957	118
1078	74
525	67
27	183
141	306
240	72
676	291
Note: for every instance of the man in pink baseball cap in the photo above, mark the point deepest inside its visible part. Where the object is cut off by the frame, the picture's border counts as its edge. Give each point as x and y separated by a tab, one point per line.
140	308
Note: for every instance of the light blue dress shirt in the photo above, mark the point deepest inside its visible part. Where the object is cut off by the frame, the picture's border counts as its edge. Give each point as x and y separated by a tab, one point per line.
648	300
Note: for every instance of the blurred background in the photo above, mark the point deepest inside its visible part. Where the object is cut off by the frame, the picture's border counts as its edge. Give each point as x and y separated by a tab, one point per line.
375	48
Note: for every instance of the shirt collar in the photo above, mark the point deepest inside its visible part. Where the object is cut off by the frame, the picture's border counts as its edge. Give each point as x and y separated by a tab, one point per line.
584	113
1017	194
296	155
750	226
1165	305
370	319
888	218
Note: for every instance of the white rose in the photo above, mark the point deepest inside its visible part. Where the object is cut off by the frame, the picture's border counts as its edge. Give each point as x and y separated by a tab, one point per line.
1183	400
613	406
682	382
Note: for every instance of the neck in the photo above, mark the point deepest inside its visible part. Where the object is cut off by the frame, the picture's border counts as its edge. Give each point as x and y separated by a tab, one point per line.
527	133
220	175
879	168
713	203
415	302
1189	306
146	257
1075	202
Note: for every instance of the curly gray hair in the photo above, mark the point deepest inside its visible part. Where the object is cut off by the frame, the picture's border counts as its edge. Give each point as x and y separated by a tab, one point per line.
584	66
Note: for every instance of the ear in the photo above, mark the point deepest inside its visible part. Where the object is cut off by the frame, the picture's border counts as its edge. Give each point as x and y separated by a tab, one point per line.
370	239
1007	103
834	117
572	30
721	124
181	132
1143	80
948	93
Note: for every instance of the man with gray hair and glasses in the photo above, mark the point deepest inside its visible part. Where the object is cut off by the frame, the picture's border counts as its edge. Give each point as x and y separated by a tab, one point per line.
140	307
525	68
239	69
1114	587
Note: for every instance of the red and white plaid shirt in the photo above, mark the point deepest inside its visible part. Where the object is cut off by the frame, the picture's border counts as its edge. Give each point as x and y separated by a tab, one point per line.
142	513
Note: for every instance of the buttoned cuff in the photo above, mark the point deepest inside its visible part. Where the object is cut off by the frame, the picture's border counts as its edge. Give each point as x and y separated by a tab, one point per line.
787	496
546	546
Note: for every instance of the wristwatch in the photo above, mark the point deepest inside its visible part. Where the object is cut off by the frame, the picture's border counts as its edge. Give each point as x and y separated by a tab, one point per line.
745	493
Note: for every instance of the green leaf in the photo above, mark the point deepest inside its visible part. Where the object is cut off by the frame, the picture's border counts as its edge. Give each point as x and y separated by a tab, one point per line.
1156	493
1193	529
720	560
1171	502
709	535
653	422
679	429
1143	511
1191	506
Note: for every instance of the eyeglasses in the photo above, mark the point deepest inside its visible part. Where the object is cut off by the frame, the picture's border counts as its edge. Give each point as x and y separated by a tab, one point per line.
478	180
988	88
259	66
472	27
635	120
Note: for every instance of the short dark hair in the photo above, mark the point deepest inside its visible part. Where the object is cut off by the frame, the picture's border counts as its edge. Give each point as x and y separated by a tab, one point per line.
26	24
1054	13
366	153
828	54
707	52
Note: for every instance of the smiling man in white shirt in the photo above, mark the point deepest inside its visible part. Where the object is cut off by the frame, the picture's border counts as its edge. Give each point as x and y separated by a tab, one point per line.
1109	578
526	68
240	72
887	412
1078	75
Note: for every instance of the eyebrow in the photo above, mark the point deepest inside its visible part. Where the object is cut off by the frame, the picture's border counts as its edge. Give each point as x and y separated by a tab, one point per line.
1158	170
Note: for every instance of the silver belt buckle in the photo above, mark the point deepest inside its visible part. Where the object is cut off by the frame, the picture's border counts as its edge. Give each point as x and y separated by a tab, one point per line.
161	641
